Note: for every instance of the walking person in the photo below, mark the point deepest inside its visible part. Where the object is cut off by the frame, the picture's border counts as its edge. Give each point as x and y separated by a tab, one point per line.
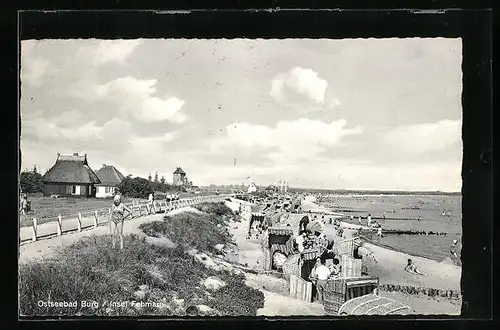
379	231
24	205
116	219
151	201
369	219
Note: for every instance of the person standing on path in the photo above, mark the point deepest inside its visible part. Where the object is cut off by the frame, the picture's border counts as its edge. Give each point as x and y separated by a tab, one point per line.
151	201
369	219
116	219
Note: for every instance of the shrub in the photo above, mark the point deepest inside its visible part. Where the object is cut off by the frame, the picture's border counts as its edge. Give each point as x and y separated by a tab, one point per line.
236	298
191	230
215	209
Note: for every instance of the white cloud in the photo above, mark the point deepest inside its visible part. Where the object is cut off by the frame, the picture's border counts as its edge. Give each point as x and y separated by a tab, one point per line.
114	50
295	140
44	129
136	97
301	81
420	138
334	103
32	71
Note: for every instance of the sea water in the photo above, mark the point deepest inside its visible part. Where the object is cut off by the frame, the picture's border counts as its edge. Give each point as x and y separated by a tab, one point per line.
407	209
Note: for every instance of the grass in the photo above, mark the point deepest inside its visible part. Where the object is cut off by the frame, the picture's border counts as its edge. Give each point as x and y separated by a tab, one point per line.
46	209
201	231
217	209
91	270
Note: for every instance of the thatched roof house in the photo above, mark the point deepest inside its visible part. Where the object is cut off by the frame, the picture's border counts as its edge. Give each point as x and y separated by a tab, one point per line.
110	178
70	176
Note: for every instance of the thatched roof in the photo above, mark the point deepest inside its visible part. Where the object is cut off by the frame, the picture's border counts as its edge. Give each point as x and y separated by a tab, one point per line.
109	176
71	169
179	171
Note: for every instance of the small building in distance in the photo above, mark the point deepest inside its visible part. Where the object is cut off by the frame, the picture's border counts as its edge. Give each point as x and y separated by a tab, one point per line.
180	178
110	178
70	176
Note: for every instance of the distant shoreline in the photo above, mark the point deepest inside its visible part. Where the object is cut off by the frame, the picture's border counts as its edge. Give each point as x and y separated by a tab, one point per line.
376	192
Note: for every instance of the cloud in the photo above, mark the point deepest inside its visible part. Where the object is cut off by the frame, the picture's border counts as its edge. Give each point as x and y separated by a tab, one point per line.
334	103
32	71
136	97
421	138
114	50
294	140
301	81
42	129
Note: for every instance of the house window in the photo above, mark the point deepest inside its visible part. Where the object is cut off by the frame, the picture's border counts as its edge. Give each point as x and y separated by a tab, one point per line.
73	190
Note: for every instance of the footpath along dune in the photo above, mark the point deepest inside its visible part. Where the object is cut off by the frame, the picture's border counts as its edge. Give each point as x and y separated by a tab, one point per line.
45	247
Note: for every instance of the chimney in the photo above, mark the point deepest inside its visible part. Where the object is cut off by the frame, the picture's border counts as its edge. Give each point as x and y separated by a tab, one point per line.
75	154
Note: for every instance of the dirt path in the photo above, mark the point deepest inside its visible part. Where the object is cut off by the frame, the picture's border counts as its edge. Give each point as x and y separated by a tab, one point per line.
45	247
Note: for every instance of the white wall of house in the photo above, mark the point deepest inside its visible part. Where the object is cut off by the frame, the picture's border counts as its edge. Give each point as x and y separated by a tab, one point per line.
75	190
103	192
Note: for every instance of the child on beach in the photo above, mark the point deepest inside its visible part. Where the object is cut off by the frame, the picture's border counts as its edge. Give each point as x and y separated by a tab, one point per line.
116	219
335	268
411	268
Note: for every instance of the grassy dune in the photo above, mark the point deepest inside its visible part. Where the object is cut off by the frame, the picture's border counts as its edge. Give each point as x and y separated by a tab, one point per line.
90	270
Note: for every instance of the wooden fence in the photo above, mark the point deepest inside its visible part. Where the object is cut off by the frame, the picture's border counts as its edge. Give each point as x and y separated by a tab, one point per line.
101	216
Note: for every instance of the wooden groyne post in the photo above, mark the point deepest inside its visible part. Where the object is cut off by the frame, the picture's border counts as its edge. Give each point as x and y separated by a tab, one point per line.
96	219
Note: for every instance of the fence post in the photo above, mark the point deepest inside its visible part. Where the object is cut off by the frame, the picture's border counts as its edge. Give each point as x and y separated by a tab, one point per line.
34	230
59	225
96	219
79	221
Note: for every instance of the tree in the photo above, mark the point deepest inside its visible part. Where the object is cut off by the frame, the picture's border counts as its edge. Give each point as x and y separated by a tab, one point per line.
136	187
34	169
31	181
150	177
162	180
156	177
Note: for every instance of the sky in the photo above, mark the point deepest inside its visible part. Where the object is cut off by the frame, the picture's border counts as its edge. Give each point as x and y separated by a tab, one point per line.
380	114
